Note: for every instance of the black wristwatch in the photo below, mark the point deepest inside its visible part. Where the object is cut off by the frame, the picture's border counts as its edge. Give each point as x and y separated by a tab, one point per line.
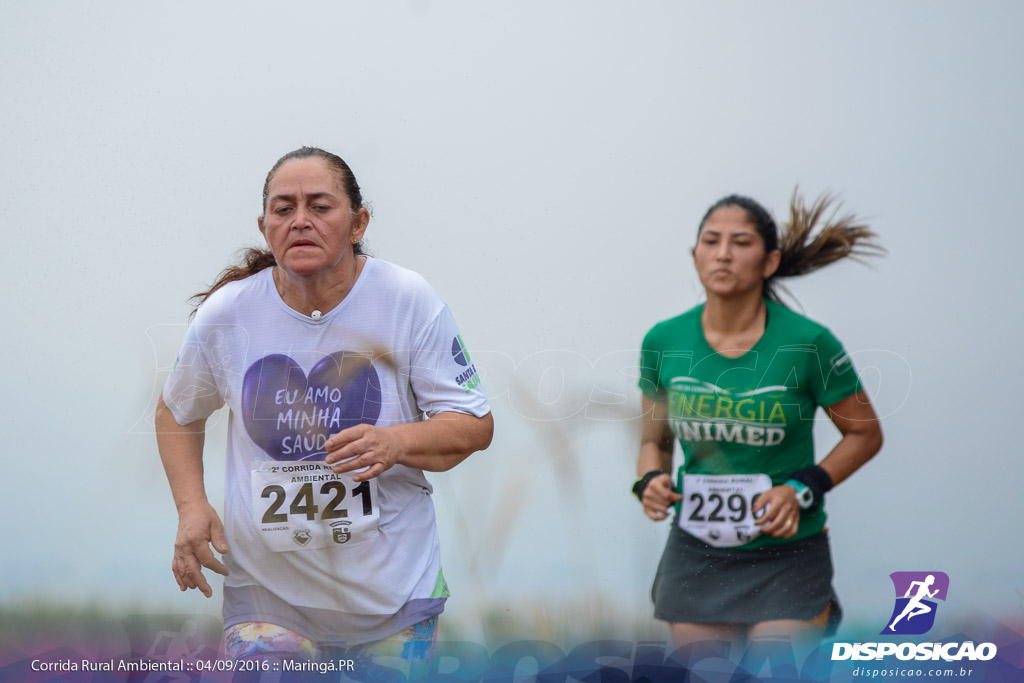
804	494
811	484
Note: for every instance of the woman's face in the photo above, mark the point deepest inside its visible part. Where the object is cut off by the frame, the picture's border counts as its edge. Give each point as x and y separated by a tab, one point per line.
729	257
308	222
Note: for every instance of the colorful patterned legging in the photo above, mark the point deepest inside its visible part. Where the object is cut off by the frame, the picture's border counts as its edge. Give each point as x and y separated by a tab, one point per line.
369	662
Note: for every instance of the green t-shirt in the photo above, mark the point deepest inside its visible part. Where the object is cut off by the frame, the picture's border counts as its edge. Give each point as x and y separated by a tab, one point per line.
752	414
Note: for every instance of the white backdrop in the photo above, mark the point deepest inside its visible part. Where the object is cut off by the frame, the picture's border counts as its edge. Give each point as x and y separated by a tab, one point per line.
544	166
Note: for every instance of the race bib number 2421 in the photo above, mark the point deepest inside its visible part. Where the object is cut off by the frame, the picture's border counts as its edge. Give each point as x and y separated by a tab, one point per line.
306	505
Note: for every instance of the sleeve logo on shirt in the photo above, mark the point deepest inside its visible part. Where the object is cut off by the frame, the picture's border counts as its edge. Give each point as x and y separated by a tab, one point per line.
841	362
290	416
468	379
916	592
459	352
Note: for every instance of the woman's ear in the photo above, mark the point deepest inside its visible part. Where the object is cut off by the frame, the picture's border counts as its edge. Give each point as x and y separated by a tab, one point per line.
771	263
263	229
359	223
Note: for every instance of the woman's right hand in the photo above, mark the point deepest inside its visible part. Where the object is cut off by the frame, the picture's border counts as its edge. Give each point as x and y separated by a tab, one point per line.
199	525
659	497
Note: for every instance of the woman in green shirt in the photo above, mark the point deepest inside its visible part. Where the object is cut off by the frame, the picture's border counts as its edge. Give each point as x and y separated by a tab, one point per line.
737	381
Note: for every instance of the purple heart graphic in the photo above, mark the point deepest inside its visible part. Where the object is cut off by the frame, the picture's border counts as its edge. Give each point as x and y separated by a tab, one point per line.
291	416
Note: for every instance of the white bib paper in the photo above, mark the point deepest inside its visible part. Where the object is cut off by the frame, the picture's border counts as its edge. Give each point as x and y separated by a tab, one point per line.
305	506
716	508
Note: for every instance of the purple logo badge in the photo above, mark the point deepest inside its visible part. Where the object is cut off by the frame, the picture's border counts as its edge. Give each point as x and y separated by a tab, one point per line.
459	352
916	593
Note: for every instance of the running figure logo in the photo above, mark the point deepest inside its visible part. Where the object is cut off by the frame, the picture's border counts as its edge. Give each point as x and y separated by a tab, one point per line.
914	612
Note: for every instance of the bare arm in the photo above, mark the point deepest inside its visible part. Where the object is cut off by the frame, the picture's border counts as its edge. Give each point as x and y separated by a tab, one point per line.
862	436
181	451
655	439
656	454
434	445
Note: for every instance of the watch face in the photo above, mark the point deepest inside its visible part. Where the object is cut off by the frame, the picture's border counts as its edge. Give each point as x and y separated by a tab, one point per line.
804	494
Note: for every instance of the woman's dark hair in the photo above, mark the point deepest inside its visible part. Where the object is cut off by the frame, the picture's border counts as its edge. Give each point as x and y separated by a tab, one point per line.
841	236
254	259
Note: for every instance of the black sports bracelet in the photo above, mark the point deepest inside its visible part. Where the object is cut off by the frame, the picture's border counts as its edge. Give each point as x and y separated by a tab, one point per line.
641	484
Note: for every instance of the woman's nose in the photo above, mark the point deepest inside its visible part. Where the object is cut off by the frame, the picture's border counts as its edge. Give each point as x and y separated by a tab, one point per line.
301	218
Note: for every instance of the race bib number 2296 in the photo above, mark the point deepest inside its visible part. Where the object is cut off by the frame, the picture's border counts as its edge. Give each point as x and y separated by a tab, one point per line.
306	505
719	509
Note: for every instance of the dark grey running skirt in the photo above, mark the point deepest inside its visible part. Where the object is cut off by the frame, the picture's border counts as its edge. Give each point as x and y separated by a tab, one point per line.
699	583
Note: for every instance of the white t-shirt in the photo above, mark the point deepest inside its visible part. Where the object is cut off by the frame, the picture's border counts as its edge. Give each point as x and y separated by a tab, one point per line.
338	563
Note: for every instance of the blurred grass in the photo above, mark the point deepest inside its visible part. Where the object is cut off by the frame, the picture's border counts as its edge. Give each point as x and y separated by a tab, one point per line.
41	618
32	623
565	623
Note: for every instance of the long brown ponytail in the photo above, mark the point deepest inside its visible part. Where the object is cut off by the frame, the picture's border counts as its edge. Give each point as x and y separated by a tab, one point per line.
841	236
253	260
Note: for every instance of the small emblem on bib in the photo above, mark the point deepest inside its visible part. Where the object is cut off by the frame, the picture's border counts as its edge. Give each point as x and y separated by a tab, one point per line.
302	536
341	532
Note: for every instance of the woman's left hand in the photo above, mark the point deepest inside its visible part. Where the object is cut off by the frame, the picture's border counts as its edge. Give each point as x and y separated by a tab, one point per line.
782	513
363	446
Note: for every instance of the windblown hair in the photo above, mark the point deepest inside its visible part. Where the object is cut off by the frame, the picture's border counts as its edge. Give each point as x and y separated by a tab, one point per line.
254	259
804	250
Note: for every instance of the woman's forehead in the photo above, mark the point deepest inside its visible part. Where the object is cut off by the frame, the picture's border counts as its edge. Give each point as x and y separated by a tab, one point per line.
306	175
729	219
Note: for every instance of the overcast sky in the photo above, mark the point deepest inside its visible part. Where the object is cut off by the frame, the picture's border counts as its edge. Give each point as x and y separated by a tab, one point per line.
544	165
